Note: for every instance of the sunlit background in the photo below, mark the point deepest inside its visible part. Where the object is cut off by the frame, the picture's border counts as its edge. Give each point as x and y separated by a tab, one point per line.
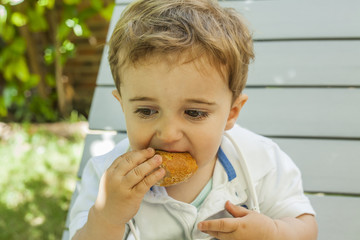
50	53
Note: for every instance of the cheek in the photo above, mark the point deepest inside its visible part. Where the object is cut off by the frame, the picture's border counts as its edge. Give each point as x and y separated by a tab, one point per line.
208	146
139	137
138	142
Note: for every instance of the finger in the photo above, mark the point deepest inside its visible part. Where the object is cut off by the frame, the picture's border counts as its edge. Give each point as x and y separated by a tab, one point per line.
150	180
225	225
130	160
236	211
221	235
137	174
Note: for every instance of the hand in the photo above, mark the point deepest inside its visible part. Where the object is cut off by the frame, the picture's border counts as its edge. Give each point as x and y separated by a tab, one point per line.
124	184
245	225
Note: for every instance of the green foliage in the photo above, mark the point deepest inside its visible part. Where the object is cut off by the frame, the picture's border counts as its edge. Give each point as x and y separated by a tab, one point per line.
38	177
26	95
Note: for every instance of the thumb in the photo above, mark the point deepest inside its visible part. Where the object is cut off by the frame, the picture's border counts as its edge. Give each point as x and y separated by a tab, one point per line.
236	211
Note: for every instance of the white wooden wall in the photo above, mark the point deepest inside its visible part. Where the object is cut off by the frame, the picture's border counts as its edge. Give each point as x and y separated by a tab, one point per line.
304	93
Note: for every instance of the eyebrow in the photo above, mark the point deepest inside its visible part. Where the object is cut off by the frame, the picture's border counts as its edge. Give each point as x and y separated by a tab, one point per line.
200	101
192	100
141	99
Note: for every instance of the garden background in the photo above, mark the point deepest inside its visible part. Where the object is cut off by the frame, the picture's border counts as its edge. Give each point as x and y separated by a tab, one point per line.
50	53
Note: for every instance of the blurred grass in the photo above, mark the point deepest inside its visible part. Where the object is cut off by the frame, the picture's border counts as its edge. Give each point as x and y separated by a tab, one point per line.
38	175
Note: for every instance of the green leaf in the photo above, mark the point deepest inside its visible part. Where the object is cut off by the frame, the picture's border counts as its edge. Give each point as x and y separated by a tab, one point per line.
87	13
22	70
49	55
63	31
8	72
7	32
18	46
37	20
67	46
72	2
8	94
3	110
46	3
86	30
19	19
107	11
14	2
6	56
96	4
78	30
71	22
50	80
33	81
3	15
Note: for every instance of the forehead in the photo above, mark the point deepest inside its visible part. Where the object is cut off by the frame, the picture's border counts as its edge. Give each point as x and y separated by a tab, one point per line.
167	80
202	63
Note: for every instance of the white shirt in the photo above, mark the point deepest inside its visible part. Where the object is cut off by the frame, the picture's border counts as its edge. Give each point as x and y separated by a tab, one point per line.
276	178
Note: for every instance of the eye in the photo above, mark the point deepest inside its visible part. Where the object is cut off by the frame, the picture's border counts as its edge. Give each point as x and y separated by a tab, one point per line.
145	112
196	114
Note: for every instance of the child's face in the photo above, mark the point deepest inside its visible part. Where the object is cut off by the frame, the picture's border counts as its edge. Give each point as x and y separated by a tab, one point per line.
177	108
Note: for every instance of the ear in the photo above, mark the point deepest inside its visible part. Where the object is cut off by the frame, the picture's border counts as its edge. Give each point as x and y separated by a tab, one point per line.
235	110
116	94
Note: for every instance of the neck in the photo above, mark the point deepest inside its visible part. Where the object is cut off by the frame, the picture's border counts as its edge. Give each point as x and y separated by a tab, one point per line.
189	190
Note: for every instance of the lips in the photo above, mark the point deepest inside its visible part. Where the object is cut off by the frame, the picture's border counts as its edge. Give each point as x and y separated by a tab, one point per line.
169	151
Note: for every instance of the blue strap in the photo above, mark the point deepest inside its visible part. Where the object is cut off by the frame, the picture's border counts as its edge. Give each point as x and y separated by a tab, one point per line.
229	169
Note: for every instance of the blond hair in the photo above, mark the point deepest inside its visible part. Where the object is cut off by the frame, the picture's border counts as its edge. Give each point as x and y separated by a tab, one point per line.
198	27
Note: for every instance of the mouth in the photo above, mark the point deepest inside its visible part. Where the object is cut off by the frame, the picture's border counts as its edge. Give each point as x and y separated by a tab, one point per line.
170	150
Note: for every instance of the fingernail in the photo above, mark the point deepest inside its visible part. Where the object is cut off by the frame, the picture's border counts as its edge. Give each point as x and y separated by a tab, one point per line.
158	158
162	171
200	226
231	204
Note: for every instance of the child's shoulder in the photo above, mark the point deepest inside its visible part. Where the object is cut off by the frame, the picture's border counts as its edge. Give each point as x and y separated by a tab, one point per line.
250	139
261	154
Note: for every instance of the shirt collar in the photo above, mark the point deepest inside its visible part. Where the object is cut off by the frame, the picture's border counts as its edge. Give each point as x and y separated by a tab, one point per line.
229	169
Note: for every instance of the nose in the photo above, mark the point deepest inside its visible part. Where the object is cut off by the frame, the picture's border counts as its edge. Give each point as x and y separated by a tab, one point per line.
169	130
